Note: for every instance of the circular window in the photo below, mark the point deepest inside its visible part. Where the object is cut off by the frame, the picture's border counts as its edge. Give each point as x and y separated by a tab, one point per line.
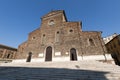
51	22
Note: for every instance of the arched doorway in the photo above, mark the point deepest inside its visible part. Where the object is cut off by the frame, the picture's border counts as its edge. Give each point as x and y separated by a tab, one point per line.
48	56
29	57
73	55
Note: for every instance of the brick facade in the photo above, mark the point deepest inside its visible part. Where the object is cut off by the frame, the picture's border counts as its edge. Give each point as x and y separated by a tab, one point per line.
113	48
7	52
57	37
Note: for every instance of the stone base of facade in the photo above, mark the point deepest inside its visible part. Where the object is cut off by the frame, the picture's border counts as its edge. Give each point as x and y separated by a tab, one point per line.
79	58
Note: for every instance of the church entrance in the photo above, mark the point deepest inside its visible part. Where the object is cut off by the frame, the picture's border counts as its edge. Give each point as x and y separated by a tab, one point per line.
73	55
48	56
29	57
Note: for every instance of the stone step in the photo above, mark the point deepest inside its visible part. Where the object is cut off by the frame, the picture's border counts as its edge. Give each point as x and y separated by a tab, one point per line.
71	70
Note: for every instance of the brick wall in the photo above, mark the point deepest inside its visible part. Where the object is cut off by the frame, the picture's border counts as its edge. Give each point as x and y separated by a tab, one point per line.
62	36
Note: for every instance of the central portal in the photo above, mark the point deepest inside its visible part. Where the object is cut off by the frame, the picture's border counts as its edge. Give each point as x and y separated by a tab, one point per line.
48	56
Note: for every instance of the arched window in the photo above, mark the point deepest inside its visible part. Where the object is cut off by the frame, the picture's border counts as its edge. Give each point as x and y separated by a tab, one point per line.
57	36
91	42
43	39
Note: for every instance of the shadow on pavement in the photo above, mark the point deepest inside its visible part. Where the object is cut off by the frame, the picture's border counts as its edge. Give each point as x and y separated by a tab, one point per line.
35	73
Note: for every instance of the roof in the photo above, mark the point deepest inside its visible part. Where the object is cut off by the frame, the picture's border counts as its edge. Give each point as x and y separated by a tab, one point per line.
118	36
7	47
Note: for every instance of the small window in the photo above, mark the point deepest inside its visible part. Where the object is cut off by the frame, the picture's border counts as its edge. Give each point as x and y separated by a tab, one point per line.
57	36
58	32
43	39
33	37
70	30
43	35
91	42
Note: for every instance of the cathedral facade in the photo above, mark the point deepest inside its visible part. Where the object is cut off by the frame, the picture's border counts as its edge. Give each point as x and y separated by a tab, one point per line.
60	40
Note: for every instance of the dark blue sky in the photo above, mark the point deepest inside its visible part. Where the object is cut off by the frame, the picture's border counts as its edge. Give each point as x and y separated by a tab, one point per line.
19	17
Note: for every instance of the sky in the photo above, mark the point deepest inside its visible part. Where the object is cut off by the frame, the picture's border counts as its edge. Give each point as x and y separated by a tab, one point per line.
20	17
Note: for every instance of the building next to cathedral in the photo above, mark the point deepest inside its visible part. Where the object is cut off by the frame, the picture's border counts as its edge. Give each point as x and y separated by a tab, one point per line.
113	47
7	53
57	39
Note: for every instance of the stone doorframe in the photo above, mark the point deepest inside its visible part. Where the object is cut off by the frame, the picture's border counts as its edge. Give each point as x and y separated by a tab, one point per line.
48	54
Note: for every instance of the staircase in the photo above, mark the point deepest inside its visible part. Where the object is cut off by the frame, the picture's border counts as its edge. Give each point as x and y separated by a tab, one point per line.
69	70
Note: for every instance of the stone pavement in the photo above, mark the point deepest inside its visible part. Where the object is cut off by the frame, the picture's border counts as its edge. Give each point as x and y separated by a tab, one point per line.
69	70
